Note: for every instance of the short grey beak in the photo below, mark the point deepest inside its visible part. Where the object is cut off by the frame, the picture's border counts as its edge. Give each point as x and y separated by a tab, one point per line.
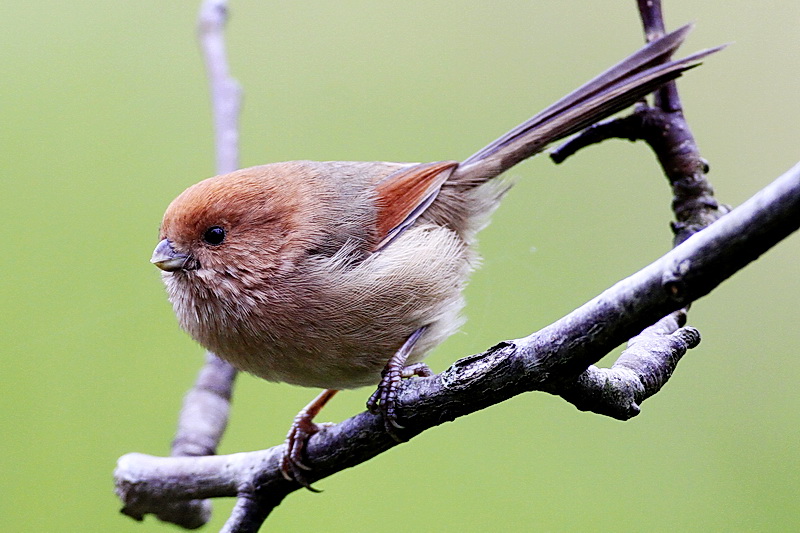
166	258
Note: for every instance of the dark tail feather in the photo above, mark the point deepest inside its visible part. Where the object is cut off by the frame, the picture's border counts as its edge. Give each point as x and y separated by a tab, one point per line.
610	92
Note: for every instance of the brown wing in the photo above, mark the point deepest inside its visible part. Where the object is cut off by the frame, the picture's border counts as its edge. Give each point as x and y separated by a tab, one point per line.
404	195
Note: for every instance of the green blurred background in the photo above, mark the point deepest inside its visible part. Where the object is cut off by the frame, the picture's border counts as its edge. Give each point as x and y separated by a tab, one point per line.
105	118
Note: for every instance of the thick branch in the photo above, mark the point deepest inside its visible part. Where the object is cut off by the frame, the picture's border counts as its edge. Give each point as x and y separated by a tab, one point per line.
639	372
554	354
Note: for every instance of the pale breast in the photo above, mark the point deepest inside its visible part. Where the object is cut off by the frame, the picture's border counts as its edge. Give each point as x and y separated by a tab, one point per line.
334	322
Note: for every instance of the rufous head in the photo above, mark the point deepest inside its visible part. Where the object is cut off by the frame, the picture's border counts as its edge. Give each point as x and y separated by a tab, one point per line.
231	221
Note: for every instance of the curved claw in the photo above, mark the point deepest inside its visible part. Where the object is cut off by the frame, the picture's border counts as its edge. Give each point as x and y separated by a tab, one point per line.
384	400
303	427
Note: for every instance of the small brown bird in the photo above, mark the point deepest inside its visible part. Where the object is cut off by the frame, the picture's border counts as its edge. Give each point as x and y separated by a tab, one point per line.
337	275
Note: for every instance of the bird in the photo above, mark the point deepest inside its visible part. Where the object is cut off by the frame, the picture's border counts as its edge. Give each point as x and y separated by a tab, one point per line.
342	274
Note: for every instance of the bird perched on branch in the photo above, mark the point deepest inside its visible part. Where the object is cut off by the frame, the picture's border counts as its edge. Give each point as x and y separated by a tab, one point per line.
340	274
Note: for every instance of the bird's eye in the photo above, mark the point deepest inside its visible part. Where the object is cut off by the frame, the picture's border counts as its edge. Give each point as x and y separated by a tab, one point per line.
214	235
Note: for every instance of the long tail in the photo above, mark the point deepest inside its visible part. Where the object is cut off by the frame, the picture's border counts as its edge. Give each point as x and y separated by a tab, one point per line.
610	92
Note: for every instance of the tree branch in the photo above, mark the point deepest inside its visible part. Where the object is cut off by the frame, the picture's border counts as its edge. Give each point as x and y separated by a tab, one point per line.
664	128
226	95
639	372
204	415
618	391
541	361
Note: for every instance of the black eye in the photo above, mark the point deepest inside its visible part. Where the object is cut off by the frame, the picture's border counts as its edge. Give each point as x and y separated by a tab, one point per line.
214	235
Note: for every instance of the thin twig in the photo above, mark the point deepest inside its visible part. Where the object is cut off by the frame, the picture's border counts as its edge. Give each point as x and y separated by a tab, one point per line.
247	516
664	128
204	415
206	408
666	97
226	94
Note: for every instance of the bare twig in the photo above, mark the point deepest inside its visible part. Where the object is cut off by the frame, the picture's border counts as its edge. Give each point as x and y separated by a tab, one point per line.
247	515
226	101
555	354
226	95
666	97
664	128
628	127
639	372
205	410
204	416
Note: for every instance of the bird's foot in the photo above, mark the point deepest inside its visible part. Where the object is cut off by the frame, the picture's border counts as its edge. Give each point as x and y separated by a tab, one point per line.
384	400
303	427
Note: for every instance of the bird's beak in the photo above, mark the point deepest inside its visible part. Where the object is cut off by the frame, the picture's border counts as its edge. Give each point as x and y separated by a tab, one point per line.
167	258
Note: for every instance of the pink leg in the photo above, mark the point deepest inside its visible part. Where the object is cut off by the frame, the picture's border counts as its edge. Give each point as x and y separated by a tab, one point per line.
302	428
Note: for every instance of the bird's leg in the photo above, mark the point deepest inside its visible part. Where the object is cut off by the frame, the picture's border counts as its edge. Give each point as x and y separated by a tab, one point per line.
384	400
302	428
